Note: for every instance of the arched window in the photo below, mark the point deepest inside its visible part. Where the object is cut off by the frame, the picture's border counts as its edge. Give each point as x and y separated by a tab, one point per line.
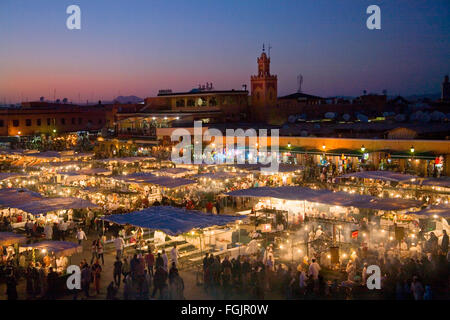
190	103
180	103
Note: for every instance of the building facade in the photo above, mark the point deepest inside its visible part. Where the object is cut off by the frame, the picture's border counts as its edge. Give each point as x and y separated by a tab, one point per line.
35	118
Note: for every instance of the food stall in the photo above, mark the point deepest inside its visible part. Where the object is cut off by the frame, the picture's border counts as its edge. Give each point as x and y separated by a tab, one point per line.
194	226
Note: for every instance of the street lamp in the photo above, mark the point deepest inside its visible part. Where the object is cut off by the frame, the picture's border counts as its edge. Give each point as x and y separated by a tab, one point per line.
289	145
412	149
323	147
363	148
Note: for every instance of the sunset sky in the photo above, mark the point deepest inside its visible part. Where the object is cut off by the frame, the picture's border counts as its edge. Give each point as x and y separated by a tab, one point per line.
137	47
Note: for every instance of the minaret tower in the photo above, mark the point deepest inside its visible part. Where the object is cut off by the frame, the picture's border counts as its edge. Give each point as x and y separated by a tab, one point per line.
264	88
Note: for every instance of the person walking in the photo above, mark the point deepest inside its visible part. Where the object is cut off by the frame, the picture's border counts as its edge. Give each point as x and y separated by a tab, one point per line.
94	255
125	268
313	272
134	263
444	244
159	261
96	271
117	273
127	287
150	261
86	277
52	279
11	287
100	251
226	276
119	243
176	284
81	236
145	287
174	254
160	282
165	260
417	289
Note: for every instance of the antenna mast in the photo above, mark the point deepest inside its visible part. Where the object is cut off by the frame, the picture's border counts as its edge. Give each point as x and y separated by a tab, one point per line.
299	83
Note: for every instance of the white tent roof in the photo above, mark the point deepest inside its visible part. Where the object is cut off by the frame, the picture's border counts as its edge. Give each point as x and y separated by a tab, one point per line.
10	175
437	182
442	210
127	159
45	155
148	178
95	171
282	167
36	204
327	197
381	175
219	175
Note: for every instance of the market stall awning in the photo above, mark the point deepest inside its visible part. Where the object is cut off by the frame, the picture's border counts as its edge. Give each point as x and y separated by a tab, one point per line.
170	220
67	164
328	197
10	238
443	182
11	175
219	175
173	171
36	204
149	178
10	152
381	175
282	167
127	159
442	210
50	155
95	171
58	248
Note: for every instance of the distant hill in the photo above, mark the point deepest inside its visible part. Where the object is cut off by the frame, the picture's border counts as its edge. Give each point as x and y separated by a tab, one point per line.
128	99
431	96
414	97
